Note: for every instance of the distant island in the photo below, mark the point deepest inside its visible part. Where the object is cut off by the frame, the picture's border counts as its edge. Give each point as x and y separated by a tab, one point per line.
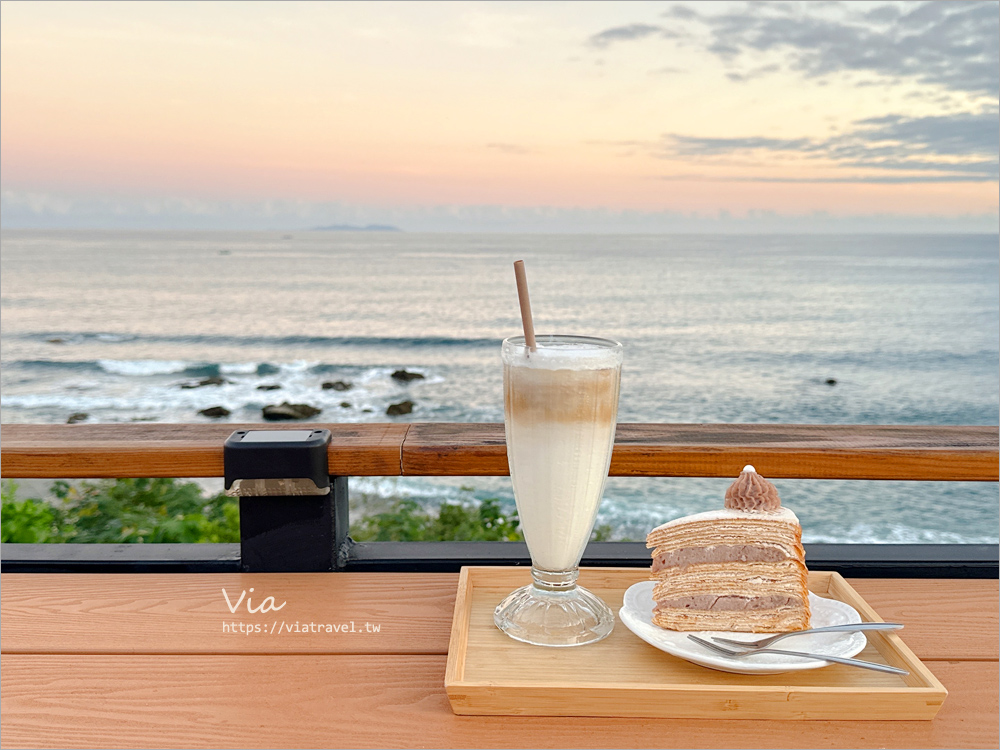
353	228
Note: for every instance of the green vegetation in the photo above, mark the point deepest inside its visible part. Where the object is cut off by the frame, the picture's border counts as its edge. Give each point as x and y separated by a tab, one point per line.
120	511
169	510
406	521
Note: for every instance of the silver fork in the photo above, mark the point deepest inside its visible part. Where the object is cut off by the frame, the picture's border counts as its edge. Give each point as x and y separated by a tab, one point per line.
822	657
852	628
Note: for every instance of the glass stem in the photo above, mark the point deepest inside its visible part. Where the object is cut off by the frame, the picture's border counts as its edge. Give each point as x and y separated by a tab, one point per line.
554	580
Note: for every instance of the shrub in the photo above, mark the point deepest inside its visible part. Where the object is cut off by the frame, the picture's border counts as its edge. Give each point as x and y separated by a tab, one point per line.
121	511
406	521
27	521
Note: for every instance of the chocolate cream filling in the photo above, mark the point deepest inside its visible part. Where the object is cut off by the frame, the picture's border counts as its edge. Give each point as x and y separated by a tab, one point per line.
721	553
715	603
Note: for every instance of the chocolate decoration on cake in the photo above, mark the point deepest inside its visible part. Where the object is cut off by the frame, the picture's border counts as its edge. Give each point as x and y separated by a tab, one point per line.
752	492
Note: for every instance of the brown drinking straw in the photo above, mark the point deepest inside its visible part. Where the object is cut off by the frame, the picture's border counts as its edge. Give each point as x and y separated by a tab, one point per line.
522	297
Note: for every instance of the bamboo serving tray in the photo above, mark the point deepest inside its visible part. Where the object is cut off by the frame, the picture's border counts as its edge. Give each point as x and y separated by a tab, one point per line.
489	673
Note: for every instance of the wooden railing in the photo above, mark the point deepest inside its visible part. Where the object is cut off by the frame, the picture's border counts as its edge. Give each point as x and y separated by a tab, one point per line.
927	453
887	452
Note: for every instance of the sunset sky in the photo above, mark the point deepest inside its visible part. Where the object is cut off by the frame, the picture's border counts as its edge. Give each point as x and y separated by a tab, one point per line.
500	116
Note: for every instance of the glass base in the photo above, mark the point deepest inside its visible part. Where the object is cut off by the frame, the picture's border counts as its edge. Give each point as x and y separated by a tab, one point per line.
554	611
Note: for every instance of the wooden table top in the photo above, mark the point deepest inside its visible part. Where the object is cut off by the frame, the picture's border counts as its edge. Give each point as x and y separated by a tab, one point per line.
162	661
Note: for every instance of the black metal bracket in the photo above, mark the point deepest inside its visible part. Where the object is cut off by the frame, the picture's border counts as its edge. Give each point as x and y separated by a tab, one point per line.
295	534
293	514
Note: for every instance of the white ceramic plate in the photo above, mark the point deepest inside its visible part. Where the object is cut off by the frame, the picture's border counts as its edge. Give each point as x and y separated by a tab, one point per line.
637	615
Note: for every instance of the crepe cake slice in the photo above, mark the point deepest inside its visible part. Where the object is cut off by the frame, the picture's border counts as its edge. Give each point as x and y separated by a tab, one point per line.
739	569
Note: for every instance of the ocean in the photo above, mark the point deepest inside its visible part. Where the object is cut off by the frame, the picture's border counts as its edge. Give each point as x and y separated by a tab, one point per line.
719	328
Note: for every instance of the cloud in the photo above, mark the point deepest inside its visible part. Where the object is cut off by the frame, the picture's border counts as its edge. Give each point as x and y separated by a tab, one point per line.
957	147
754	73
689	145
682	12
958	134
628	33
950	44
510	148
872	179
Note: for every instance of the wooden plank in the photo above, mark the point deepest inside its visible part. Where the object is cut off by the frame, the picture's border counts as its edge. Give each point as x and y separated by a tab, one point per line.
455	449
189	613
390	701
812	451
164	613
177	450
452	449
700	450
944	618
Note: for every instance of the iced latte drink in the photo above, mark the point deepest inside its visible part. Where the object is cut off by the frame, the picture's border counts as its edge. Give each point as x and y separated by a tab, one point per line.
560	412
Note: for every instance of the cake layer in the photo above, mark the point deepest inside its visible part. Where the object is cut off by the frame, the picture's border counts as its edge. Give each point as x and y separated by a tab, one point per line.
777	583
782	515
715	603
753	576
779	620
720	553
727	532
708	535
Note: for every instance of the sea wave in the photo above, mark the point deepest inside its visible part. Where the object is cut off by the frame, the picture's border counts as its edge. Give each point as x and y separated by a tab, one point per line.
868	533
239	368
152	367
142	367
408	342
113	338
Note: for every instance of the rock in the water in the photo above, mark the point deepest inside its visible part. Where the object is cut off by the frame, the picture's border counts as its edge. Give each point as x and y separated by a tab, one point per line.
269	387
337	385
397	410
345	404
285	410
403	376
831	381
215	412
214	380
80	416
367	411
56	341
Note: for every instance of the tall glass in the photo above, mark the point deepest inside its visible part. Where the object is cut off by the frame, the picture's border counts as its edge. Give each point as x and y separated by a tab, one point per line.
560	412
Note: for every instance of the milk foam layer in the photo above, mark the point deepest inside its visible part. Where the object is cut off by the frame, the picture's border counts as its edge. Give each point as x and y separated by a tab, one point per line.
554	355
561	408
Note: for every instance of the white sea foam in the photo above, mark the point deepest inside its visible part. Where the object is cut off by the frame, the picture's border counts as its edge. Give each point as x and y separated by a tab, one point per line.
142	367
115	338
298	365
239	368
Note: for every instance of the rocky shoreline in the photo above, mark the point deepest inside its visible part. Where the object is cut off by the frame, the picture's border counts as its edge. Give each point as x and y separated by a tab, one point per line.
286	410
